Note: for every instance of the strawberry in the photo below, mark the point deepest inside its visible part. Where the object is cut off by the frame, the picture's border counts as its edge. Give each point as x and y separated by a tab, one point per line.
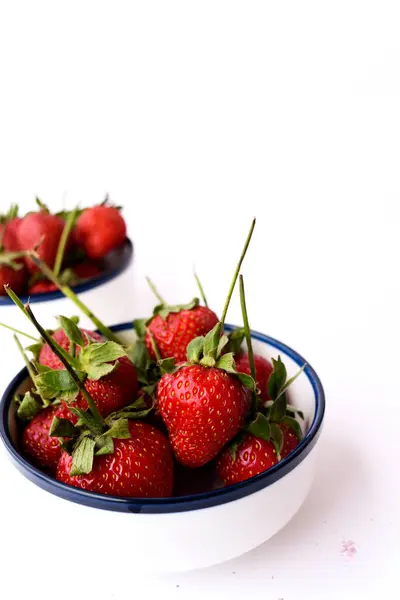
43	450
43	286
40	230
174	329
263	368
16	278
107	374
113	391
9	225
253	456
140	466
86	270
47	356
100	229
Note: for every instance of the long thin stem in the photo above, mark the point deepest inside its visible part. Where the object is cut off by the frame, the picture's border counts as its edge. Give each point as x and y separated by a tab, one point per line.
49	340
154	345
66	290
155	291
26	361
201	289
63	241
247	334
235	276
19	332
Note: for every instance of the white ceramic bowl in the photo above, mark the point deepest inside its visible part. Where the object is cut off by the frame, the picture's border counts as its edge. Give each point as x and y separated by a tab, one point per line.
188	532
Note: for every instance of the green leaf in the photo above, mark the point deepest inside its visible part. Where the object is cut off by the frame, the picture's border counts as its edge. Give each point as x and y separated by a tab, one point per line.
277	378
82	457
41	368
104	445
195	349
56	384
101	352
149	389
87	419
260	427
119	429
247	381
35	348
71	330
292	379
295	411
139	326
96	372
227	363
136	410
278	409
164	310
277	438
10	259
223	341
28	407
167	365
211	341
63	428
295	425
236	338
139	355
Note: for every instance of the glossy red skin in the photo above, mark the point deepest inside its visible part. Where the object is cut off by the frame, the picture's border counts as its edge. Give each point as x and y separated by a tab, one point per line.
203	409
15	279
253	456
44	451
263	367
100	229
86	270
173	334
47	356
36	227
140	467
10	239
42	287
113	391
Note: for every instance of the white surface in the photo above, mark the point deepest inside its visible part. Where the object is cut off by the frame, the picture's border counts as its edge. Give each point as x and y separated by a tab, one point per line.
214	112
176	531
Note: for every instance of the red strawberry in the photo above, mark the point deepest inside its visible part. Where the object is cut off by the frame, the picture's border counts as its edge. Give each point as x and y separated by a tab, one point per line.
43	450
113	391
10	237
203	408
263	367
173	334
44	229
100	229
253	456
47	356
86	270
42	287
140	467
16	278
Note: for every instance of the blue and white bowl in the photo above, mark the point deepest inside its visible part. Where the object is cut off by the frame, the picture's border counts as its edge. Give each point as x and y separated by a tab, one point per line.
187	532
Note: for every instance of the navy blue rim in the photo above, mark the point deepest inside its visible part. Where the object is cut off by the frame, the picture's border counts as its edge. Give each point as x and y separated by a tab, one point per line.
180	503
105	277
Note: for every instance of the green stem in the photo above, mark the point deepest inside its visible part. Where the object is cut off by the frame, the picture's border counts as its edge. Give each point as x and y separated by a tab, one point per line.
66	290
201	289
63	241
233	283
155	291
154	345
19	332
49	340
249	343
26	361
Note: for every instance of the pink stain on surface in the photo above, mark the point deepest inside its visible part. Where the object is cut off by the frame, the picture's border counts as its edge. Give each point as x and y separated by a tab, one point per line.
349	549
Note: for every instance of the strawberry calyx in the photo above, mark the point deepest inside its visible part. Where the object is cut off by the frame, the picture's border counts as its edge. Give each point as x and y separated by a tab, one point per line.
10	259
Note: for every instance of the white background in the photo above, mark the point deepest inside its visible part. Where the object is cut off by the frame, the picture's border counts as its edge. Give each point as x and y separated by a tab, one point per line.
196	116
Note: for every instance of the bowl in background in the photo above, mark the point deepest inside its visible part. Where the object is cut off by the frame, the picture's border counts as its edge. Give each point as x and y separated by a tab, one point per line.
185	532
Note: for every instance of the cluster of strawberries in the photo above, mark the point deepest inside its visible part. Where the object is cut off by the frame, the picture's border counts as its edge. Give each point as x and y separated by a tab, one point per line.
71	244
133	421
